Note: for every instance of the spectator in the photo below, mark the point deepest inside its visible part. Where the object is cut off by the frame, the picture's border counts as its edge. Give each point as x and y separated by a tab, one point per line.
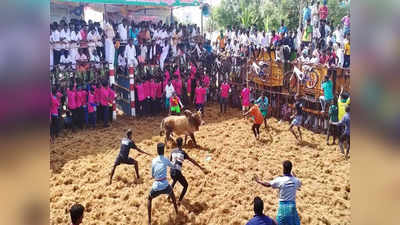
346	62
259	217
76	213
327	98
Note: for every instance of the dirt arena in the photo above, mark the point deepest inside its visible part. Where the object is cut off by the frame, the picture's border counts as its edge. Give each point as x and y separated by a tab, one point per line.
80	166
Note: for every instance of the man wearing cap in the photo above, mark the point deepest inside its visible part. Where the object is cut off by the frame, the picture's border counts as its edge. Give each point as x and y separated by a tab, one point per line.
123	157
159	173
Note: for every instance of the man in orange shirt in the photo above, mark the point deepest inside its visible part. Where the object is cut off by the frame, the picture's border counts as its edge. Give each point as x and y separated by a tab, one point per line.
258	119
221	40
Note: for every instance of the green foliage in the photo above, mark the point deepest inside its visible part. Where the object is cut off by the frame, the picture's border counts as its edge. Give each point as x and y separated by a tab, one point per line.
267	14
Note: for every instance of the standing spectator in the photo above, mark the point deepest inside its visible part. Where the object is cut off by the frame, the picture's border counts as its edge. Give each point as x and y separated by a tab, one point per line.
221	41
346	24
327	98
54	105
200	96
123	31
332	129
71	97
306	13
169	90
224	93
108	43
323	12
76	213
91	108
104	103
287	184
259	217
283	28
245	97
339	54
307	34
314	13
346	63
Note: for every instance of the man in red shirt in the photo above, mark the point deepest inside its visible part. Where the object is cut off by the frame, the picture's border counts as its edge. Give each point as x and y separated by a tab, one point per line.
258	119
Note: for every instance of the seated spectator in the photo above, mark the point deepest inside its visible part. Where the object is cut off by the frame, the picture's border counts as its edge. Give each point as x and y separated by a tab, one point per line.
259	217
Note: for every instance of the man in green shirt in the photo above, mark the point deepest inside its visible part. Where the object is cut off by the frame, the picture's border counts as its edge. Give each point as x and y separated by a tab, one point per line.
332	129
327	98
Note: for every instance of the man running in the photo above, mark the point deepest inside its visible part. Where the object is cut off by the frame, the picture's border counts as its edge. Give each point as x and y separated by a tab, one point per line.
298	118
159	173
123	157
262	103
257	119
177	157
287	185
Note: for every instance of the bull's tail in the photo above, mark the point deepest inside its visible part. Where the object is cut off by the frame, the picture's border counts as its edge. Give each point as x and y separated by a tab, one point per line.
162	128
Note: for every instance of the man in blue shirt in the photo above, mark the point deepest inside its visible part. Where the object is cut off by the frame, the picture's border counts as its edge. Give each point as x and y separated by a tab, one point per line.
327	87
306	13
282	29
259	217
159	173
345	137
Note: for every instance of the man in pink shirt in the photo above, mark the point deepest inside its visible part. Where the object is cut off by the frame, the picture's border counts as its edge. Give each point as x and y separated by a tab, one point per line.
224	93
323	12
200	96
84	111
153	90
92	107
54	104
141	97
147	97
111	98
104	103
245	97
71	98
99	112
79	108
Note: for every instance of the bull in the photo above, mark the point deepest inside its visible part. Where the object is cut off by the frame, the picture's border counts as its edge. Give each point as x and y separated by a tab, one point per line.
185	124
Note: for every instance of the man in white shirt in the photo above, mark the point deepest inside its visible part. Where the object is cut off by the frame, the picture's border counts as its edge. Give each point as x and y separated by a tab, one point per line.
123	31
55	39
108	44
130	54
288	185
338	35
164	54
169	90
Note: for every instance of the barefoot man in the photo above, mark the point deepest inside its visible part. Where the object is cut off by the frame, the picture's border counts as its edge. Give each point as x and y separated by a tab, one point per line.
123	156
298	118
159	173
258	119
287	185
177	157
262	103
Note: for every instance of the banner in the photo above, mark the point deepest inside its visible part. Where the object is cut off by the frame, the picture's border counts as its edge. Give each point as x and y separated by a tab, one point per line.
167	3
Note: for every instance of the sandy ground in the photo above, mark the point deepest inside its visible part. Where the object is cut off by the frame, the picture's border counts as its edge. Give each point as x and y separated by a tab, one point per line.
80	165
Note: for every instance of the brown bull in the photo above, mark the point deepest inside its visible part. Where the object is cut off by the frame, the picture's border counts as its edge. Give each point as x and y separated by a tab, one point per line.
186	124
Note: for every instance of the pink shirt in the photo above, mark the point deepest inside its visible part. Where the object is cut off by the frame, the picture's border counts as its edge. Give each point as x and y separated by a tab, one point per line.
97	95
111	96
54	104
225	90
71	96
189	86
346	21
323	12
178	87
159	90
245	97
103	96
200	95
206	81
140	92
153	89
167	75
83	97
146	89
193	71
178	73
91	100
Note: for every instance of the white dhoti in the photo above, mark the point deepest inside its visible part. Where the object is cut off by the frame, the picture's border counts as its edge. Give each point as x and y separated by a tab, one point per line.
109	51
132	62
162	60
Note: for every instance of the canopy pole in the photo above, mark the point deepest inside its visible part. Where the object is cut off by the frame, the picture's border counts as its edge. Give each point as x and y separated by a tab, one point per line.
201	22
172	17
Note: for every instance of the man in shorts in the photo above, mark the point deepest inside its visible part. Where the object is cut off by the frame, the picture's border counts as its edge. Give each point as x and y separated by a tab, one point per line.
123	157
177	157
297	118
258	119
345	137
262	103
159	173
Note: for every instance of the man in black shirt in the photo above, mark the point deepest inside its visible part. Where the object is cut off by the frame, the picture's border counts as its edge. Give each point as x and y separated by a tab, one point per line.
177	157
298	118
123	156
